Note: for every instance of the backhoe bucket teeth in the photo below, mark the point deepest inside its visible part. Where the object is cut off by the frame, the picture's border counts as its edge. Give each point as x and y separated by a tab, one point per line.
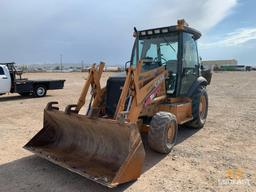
99	149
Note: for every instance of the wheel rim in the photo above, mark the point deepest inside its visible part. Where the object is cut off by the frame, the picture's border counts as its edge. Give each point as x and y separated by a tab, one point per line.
202	108
171	133
40	91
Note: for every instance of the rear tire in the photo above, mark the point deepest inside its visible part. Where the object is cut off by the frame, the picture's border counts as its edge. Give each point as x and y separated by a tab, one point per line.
199	108
163	130
40	91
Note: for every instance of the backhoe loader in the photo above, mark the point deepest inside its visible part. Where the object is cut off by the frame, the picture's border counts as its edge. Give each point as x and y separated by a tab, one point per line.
161	89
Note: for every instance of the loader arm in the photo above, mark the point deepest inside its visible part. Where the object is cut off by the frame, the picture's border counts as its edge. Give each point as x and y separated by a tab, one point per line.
140	87
93	80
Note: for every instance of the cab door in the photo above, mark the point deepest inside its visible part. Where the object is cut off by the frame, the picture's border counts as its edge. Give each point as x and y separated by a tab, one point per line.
5	80
190	63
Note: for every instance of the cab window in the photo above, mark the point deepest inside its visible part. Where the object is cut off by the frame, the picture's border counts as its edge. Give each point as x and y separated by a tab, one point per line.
1	71
190	63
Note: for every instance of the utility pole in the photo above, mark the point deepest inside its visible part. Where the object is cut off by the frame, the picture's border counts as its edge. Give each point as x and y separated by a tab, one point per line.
61	62
82	65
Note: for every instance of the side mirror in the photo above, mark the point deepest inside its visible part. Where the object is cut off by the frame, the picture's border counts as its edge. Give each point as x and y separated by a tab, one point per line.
125	65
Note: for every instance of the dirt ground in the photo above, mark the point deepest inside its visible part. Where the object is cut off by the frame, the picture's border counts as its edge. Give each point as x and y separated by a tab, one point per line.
202	160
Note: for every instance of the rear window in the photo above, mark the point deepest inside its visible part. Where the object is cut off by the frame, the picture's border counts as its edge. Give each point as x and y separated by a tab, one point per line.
1	71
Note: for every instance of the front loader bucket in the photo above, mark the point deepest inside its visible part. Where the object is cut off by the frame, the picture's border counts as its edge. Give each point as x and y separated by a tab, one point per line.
99	149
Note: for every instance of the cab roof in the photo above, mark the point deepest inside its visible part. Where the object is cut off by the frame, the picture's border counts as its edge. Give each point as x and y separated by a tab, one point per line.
181	26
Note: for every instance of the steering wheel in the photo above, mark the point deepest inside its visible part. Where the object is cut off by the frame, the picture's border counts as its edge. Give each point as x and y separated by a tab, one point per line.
165	61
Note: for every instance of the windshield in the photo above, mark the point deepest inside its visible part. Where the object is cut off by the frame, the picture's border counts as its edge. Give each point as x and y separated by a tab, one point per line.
156	51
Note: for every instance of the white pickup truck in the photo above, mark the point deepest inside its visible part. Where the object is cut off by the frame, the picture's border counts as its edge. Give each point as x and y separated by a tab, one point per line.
10	83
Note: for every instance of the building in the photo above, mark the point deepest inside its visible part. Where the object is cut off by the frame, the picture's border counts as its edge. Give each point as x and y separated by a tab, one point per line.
112	69
218	64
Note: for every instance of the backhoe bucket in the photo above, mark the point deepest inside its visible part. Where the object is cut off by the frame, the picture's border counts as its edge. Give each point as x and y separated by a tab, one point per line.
102	150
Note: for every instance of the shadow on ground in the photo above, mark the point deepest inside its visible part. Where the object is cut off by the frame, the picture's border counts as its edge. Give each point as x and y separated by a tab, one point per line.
35	174
184	133
152	158
18	97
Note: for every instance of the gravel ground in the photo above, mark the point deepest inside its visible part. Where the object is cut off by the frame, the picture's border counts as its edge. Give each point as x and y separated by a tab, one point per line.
202	160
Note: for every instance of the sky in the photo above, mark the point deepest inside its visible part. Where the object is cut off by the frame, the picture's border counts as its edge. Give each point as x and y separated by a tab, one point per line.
40	31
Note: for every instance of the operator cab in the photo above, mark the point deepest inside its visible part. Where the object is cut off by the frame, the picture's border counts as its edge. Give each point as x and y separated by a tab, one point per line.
175	48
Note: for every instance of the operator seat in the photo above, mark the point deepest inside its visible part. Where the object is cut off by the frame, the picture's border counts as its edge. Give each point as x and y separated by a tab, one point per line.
171	66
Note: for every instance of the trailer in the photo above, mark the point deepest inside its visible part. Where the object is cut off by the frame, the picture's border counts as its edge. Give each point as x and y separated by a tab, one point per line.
11	81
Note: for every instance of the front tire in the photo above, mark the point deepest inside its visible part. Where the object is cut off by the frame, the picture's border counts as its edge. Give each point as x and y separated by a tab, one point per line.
40	91
163	132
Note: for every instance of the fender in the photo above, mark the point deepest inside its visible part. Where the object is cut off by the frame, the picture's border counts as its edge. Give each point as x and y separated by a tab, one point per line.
198	82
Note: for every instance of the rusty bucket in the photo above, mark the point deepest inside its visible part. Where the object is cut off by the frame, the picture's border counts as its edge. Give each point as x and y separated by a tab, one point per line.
103	150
